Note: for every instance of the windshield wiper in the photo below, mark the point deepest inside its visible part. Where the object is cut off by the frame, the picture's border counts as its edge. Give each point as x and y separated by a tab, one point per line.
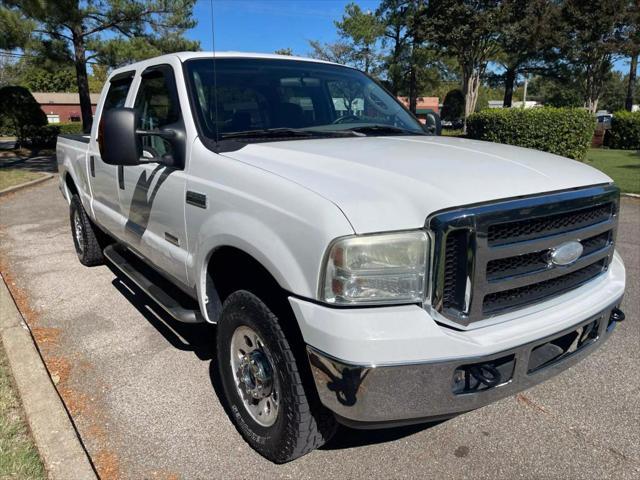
267	133
384	129
283	133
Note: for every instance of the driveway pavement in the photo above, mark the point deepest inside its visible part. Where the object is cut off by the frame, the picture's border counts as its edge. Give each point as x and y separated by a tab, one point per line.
140	391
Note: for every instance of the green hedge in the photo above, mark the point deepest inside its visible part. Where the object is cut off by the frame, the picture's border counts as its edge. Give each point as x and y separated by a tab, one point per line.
563	131
625	131
70	128
43	137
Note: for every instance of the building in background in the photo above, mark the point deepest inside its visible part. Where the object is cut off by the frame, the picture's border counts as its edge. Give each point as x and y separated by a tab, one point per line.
63	107
527	104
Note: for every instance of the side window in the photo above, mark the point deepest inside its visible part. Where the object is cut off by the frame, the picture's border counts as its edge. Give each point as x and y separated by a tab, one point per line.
157	105
117	94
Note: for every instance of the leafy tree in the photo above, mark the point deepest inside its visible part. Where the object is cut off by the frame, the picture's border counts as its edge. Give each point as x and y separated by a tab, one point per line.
594	32
466	30
526	32
362	31
284	51
79	28
394	15
614	92
555	92
38	79
98	77
412	65
15	30
338	52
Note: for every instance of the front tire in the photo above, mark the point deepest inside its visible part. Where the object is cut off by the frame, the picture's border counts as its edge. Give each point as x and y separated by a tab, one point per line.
85	235
263	385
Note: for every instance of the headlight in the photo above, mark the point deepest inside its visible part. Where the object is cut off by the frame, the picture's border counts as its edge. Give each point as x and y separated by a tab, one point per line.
375	269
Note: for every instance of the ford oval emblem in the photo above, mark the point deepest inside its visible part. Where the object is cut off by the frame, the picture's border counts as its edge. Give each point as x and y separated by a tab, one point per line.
566	253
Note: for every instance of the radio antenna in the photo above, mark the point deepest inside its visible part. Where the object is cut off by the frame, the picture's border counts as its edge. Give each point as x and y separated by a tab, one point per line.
215	76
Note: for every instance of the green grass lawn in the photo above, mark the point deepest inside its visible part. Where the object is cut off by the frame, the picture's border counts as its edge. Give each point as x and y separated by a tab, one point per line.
14	176
19	458
621	165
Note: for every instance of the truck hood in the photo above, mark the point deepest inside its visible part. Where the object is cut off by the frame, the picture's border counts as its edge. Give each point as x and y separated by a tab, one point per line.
395	182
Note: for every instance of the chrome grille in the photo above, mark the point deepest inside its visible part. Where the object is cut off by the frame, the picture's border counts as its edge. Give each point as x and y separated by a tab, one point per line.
493	258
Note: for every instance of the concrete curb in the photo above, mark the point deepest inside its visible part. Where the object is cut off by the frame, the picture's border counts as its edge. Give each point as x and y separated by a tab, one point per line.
46	177
631	195
61	451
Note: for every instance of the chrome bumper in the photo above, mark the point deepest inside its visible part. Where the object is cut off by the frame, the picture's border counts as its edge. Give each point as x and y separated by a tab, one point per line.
376	396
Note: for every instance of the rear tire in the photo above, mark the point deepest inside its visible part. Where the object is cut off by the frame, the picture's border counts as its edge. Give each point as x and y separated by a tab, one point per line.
85	235
301	423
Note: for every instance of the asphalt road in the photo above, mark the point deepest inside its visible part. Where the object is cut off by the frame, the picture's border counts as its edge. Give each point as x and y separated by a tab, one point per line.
140	392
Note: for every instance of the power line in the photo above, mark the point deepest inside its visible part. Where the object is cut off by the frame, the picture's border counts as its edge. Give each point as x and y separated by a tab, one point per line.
37	57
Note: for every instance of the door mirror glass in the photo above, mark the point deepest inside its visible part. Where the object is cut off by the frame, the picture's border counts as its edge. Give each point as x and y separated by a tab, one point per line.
117	138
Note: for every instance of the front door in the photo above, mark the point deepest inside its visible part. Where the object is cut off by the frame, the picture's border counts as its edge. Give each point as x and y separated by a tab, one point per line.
103	178
152	195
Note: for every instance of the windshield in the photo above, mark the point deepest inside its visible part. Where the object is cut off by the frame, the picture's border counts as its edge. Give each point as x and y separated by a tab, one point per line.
279	99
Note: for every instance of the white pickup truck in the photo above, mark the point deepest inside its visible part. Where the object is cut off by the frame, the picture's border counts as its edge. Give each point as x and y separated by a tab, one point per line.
360	269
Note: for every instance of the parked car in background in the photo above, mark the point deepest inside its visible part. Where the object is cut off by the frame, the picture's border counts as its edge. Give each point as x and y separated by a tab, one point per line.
603	121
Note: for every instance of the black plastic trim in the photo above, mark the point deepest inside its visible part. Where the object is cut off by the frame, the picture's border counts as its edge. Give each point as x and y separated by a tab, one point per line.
149	287
196	199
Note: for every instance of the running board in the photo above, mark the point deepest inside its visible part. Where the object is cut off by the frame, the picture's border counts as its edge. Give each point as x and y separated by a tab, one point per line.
168	303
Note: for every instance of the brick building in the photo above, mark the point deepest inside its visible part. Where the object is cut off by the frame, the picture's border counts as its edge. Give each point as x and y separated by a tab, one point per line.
63	107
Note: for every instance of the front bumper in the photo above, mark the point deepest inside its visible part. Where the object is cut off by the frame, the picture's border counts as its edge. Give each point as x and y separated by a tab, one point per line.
370	396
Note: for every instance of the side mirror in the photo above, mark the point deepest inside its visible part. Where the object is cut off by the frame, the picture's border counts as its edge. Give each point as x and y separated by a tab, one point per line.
118	140
433	123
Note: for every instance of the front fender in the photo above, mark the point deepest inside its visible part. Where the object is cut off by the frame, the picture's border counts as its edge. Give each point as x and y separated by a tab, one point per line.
258	240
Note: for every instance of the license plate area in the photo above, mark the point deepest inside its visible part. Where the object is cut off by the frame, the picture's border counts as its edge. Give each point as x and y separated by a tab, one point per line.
563	347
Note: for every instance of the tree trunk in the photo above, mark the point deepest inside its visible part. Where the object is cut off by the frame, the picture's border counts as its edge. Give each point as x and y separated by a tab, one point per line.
470	87
631	86
395	62
413	95
82	78
509	82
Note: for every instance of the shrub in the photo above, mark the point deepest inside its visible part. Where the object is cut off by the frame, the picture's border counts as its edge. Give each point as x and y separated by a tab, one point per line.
563	131
453	105
625	131
39	136
71	128
19	110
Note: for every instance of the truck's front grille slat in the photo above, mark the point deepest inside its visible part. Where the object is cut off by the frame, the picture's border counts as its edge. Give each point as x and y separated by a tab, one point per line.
548	225
504	262
537	261
522	296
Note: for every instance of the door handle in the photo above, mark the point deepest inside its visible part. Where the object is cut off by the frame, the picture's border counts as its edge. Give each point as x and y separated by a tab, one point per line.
92	166
121	177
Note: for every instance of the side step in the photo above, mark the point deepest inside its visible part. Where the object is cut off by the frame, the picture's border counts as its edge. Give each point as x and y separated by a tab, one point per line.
152	288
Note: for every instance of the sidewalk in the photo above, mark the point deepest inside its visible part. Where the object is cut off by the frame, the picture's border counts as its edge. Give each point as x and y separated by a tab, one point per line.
60	449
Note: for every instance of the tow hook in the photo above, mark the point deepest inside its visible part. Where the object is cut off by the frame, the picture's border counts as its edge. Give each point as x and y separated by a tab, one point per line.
486	374
617	315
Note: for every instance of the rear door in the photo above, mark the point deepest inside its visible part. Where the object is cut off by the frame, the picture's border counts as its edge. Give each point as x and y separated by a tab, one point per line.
103	178
152	196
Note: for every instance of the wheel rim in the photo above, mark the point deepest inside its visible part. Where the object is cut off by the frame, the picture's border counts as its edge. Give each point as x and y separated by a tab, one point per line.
78	231
254	376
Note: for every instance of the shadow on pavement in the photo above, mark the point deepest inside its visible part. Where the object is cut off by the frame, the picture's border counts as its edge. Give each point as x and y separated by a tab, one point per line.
44	163
200	339
347	437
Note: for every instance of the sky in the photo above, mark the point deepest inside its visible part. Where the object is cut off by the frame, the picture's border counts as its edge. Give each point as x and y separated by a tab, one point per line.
267	25
264	26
